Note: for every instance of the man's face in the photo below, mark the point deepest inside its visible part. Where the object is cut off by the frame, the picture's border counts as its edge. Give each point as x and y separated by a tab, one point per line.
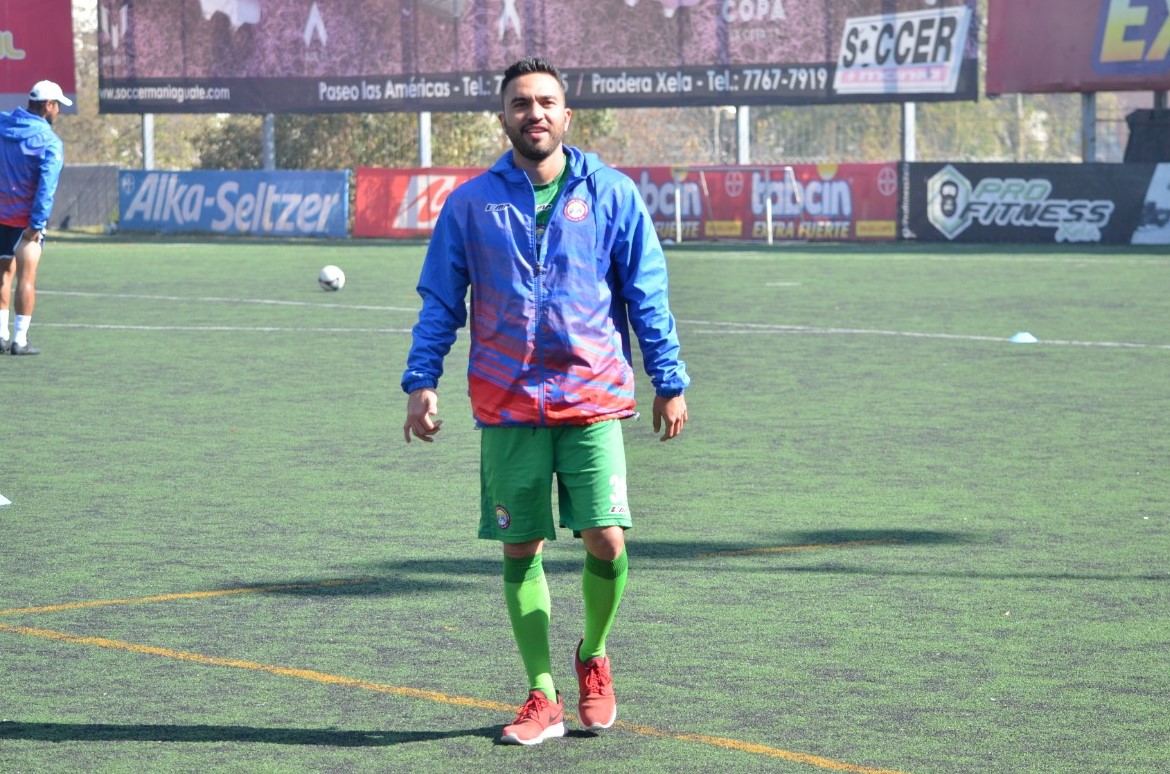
52	110
535	117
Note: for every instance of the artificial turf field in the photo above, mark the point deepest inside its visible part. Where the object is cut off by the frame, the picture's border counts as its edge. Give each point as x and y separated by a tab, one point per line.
888	540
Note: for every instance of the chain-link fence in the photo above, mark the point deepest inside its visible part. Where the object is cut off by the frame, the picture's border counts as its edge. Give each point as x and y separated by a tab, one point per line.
87	195
1013	128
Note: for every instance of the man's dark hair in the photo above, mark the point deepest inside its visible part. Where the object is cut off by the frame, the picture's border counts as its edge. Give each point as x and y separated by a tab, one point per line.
531	64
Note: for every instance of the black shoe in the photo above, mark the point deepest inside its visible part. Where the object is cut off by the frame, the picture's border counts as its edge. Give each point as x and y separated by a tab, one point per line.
4	346
27	349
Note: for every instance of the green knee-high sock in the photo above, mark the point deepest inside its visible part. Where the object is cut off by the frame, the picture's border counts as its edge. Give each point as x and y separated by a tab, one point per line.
529	606
602	585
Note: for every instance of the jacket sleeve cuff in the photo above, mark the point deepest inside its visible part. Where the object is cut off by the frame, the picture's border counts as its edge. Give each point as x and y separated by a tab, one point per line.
667	393
419	383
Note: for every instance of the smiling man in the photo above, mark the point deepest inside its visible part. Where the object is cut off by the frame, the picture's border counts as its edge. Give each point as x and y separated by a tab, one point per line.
562	260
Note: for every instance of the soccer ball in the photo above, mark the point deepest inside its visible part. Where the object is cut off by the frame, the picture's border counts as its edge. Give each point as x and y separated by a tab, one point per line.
331	278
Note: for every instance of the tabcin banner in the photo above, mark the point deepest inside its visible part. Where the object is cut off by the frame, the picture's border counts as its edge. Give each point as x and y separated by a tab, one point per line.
846	202
312	56
278	203
1059	203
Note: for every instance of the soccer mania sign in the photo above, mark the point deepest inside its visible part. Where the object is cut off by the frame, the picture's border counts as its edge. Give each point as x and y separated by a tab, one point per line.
310	56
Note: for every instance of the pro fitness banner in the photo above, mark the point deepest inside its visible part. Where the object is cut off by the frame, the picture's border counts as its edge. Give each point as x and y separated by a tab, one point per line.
1061	203
312	56
846	202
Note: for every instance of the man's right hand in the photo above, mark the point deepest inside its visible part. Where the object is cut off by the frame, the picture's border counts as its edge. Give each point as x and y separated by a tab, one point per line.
421	406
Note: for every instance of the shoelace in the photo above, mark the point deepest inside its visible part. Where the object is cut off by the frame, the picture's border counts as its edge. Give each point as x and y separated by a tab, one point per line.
596	681
532	708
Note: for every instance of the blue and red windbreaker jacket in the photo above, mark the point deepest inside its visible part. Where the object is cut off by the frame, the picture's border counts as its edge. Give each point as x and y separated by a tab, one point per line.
550	341
31	157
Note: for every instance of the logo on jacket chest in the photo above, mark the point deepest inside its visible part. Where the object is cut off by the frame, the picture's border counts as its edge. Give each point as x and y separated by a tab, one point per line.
576	210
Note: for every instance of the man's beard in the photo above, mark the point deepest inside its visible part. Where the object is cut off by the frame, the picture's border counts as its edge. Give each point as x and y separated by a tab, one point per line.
523	144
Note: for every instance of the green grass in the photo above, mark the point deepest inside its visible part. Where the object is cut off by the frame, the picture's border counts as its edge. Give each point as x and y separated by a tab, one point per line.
888	539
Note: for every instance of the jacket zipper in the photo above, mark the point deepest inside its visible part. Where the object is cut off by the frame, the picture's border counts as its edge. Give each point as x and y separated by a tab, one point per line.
538	292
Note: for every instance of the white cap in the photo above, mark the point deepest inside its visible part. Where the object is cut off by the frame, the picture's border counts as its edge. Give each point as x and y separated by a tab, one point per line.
43	91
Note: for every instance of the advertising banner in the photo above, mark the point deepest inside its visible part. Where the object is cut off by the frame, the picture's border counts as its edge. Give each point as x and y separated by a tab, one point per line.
311	56
285	204
403	203
1062	203
1078	46
36	43
844	202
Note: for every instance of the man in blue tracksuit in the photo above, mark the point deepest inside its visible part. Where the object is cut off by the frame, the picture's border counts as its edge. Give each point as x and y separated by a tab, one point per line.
562	261
31	157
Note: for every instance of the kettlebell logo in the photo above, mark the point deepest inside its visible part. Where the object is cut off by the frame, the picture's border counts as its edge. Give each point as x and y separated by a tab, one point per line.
947	196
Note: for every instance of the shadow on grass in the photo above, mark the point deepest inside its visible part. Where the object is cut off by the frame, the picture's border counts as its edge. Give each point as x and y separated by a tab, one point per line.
403	577
801	541
109	732
408	576
837	569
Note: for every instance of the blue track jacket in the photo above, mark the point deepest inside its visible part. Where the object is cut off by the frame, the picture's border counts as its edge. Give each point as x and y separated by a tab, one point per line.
550	341
31	157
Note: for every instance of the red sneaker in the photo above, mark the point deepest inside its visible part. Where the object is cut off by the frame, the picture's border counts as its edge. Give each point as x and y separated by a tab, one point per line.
597	707
538	719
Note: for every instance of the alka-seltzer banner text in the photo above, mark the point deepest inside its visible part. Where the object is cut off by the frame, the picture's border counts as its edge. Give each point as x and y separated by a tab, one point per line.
309	56
845	202
286	204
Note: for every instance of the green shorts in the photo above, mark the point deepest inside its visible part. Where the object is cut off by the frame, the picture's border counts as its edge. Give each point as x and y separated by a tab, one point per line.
516	472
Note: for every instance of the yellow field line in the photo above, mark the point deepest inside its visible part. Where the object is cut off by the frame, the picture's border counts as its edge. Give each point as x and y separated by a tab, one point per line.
758	749
435	696
188	595
303	674
786	549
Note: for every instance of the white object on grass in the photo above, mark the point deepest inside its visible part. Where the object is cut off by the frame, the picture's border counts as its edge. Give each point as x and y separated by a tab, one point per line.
331	278
1023	337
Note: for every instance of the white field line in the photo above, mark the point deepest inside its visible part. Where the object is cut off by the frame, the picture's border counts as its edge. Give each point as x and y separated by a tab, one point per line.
219	328
219	300
766	329
1063	260
701	326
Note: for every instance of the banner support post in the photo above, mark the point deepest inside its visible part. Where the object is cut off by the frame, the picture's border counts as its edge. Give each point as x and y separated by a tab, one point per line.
269	141
1089	127
148	140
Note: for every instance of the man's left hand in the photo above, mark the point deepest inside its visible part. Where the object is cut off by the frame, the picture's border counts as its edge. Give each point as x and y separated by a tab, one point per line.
671	412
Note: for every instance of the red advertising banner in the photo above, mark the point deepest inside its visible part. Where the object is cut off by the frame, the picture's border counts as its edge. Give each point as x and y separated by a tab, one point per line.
403	203
808	202
1078	46
346	56
36	43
